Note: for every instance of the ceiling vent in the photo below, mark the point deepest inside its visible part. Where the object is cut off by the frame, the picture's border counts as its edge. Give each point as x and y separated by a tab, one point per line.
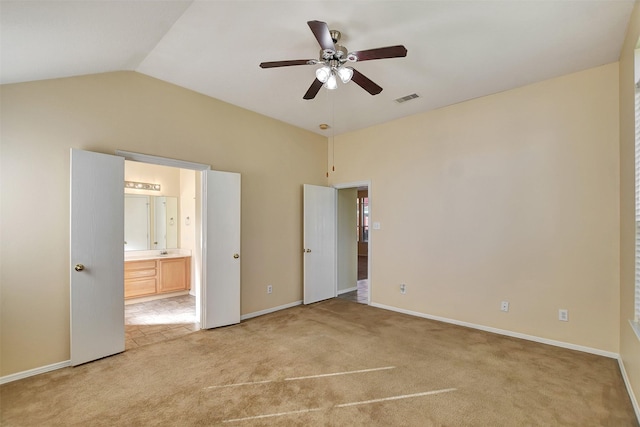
407	98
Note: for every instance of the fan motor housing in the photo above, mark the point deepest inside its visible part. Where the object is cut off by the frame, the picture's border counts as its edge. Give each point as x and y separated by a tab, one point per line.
340	54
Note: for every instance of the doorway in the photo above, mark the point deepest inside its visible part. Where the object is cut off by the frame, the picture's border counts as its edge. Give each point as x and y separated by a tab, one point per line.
353	242
160	235
96	251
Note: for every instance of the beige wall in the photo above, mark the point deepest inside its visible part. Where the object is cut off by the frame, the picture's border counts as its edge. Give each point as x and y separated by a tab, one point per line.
42	120
629	343
510	197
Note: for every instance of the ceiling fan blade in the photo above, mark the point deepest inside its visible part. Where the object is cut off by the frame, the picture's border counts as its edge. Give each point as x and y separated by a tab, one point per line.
365	83
274	64
321	31
313	89
398	51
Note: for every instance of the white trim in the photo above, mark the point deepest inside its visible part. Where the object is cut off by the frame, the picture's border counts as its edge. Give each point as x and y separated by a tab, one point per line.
344	291
35	371
555	343
270	310
164	161
354	184
335	243
201	297
632	396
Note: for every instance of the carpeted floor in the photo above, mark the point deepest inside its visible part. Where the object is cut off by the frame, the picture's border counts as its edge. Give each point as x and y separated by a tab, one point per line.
334	363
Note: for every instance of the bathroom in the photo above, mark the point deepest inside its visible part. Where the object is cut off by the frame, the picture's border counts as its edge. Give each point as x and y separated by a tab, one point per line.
159	244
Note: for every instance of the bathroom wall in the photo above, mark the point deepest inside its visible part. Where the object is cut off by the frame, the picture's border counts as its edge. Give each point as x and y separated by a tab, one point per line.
188	235
167	177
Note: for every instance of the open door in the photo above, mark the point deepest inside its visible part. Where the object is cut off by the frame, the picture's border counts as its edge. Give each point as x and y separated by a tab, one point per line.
97	260
221	279
319	243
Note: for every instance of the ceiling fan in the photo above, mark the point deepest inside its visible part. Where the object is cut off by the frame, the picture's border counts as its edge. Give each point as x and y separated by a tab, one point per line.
333	58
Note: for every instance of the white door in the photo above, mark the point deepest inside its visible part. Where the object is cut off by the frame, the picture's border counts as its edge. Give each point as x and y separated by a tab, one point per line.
97	260
221	289
319	243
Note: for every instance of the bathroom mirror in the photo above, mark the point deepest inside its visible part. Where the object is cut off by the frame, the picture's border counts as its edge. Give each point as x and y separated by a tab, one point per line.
150	222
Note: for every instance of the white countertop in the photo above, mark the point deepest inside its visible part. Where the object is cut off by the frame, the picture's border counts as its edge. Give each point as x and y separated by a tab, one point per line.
156	254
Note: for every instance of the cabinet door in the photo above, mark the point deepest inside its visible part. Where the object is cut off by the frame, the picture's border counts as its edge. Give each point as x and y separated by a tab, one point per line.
173	275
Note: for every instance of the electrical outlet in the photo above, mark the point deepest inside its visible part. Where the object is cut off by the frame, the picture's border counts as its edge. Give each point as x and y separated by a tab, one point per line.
504	306
269	289
403	289
563	315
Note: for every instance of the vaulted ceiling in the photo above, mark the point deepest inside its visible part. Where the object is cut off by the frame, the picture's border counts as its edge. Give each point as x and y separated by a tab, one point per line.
457	50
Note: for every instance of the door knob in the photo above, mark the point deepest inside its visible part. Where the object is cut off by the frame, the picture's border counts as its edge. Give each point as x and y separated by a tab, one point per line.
79	267
236	256
308	251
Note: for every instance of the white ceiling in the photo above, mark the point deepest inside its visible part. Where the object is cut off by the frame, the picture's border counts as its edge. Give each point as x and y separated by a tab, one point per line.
457	50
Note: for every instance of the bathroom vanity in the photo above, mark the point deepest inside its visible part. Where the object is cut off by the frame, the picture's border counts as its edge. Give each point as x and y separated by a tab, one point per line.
153	274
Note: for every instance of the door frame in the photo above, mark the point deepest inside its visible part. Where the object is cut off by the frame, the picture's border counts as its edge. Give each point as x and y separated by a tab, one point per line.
198	167
357	184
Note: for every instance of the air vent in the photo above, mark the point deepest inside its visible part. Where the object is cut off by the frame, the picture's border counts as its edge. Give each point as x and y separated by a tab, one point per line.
407	98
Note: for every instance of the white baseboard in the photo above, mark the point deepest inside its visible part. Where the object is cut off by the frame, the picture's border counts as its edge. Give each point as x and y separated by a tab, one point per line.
503	332
344	291
31	372
627	383
269	310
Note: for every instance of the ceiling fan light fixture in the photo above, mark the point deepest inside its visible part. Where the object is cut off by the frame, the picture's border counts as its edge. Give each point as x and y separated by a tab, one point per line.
332	59
332	82
323	74
345	74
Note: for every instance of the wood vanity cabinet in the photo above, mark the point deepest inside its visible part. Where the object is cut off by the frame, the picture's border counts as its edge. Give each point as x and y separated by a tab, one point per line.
174	274
140	278
156	276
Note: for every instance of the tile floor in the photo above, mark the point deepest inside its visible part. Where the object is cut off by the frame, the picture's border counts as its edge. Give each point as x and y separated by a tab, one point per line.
159	320
361	294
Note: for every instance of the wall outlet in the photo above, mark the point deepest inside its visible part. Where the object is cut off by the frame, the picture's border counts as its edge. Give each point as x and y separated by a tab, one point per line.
563	315
269	289
403	288
504	306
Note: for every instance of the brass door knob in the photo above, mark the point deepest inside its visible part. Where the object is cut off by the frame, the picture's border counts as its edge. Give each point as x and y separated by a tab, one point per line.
79	267
236	256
